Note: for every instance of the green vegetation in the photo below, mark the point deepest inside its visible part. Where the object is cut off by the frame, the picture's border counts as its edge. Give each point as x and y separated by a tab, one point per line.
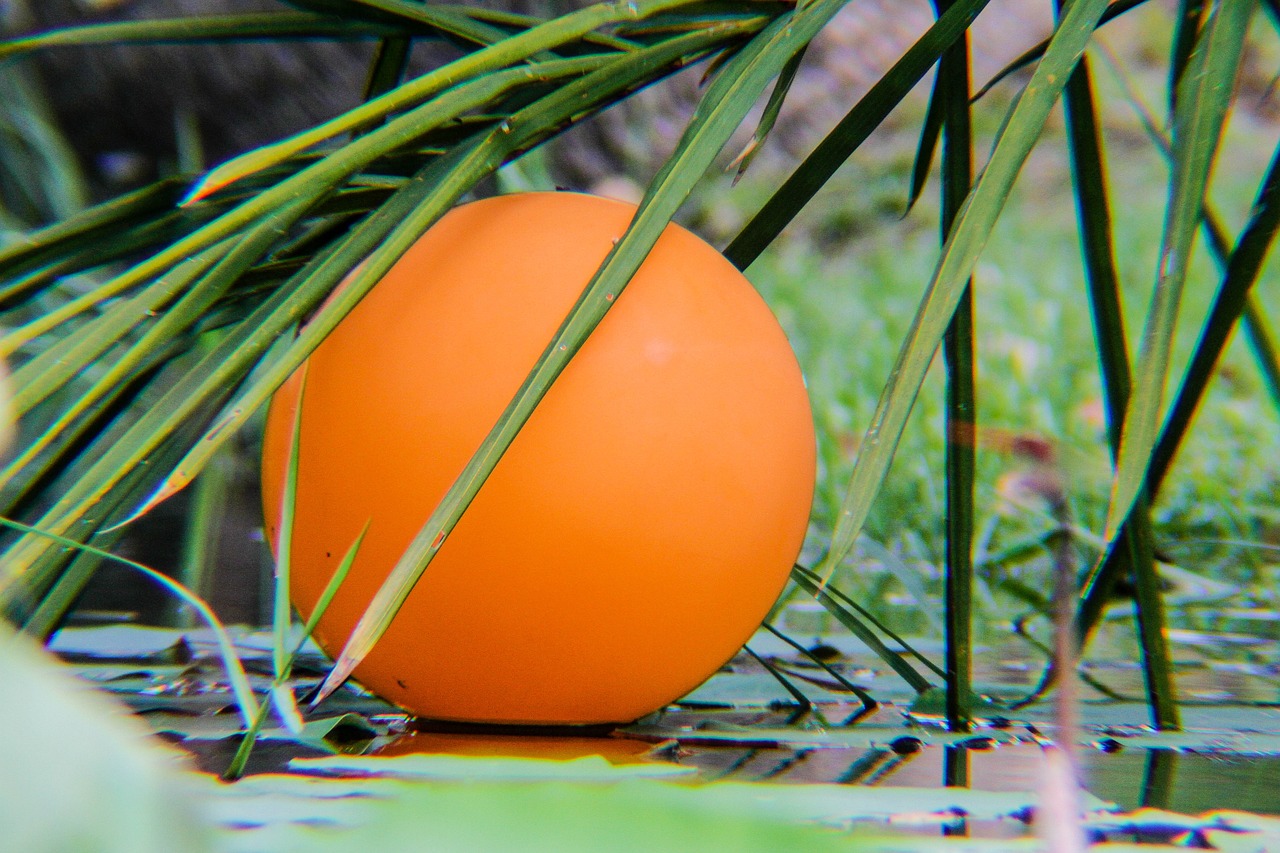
147	330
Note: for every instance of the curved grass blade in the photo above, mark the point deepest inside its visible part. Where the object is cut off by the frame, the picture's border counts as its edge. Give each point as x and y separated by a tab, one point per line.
1134	550
1115	10
43	613
30	582
870	618
770	115
397	225
930	133
850	132
1198	124
281	612
967	238
722	109
239	681
204	28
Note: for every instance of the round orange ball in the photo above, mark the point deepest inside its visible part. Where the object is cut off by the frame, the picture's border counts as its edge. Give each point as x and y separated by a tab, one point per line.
641	524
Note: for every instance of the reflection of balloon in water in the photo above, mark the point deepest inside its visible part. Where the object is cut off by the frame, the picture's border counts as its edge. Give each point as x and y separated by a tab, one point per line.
639	527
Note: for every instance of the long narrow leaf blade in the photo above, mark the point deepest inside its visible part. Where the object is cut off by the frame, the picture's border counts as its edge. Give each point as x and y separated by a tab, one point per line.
205	28
850	132
281	614
967	238
1202	109
769	117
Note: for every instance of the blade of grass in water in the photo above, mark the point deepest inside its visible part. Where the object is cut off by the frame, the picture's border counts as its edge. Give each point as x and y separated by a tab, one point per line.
245	700
860	629
867	616
722	109
961	409
1202	103
868	701
796	693
281	612
235	769
1135	545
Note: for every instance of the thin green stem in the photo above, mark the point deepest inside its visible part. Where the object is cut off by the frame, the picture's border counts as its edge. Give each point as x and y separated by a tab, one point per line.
961	408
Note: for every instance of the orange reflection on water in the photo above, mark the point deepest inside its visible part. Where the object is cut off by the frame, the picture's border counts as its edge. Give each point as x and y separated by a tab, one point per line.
615	750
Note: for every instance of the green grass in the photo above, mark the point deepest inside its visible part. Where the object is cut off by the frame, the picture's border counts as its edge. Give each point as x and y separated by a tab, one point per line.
847	306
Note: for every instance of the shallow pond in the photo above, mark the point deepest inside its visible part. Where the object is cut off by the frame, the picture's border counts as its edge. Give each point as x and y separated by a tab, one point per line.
742	726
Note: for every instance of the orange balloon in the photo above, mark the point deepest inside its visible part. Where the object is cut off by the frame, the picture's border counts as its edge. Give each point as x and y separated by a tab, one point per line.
641	524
